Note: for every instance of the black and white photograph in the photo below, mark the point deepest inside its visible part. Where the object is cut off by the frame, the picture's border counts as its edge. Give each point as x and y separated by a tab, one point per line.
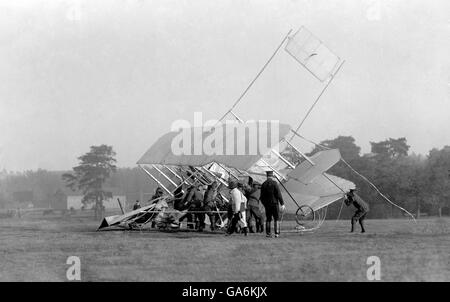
224	146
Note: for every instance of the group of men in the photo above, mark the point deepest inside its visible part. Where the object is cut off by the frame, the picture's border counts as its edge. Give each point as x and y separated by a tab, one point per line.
244	207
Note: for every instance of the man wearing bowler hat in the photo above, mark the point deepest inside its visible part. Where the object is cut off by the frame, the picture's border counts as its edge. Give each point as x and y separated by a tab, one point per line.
272	199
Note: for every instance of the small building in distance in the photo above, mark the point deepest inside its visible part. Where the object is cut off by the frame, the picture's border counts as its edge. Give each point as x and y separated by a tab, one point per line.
66	199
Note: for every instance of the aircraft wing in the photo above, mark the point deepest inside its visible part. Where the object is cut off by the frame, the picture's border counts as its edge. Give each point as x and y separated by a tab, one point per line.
165	150
118	219
306	183
317	194
323	160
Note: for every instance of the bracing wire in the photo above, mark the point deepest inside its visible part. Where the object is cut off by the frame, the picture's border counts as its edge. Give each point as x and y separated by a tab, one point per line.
362	176
340	210
255	78
301	123
318	98
376	189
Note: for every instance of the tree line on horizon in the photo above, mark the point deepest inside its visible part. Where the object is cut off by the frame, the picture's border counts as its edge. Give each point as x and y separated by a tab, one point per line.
420	184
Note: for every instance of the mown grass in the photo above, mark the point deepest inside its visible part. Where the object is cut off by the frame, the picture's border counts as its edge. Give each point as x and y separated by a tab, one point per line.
36	249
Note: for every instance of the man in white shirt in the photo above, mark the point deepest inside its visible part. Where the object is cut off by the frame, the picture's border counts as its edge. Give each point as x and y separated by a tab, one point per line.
239	204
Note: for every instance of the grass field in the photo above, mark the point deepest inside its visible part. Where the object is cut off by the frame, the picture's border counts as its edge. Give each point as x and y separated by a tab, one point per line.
36	249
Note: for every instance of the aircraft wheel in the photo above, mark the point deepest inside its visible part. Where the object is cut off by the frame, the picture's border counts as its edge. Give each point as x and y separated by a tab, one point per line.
305	216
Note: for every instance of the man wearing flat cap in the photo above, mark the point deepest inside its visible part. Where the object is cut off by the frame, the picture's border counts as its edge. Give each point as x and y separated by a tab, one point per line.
351	198
272	199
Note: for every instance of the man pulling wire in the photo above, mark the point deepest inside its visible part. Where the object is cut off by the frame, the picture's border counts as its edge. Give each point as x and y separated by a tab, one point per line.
362	208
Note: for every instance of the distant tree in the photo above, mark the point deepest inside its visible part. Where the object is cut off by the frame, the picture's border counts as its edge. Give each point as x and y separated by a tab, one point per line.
94	169
408	180
416	181
346	145
438	177
392	148
291	155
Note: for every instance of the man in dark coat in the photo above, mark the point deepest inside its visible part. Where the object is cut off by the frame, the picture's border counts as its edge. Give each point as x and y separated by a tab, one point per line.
253	192
196	205
185	203
210	203
178	197
272	199
362	208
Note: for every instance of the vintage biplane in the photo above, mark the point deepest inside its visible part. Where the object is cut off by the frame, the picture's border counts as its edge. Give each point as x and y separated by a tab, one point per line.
307	187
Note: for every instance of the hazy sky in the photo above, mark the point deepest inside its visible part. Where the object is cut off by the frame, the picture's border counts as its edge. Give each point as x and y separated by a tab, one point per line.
80	73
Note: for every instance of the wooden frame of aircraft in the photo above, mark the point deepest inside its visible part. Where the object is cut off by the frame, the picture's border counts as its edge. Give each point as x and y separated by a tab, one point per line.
306	183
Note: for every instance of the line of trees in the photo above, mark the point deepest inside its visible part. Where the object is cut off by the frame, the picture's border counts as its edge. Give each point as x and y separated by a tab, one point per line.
421	184
44	184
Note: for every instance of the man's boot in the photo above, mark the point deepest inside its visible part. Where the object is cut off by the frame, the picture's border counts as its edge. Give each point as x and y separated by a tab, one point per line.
230	229
252	227
246	231
268	233
363	230
189	221
261	227
277	228
233	224
353	226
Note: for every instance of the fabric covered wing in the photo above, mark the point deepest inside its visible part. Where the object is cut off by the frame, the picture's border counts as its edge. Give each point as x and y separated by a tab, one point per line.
317	194
315	202
117	219
323	160
240	143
